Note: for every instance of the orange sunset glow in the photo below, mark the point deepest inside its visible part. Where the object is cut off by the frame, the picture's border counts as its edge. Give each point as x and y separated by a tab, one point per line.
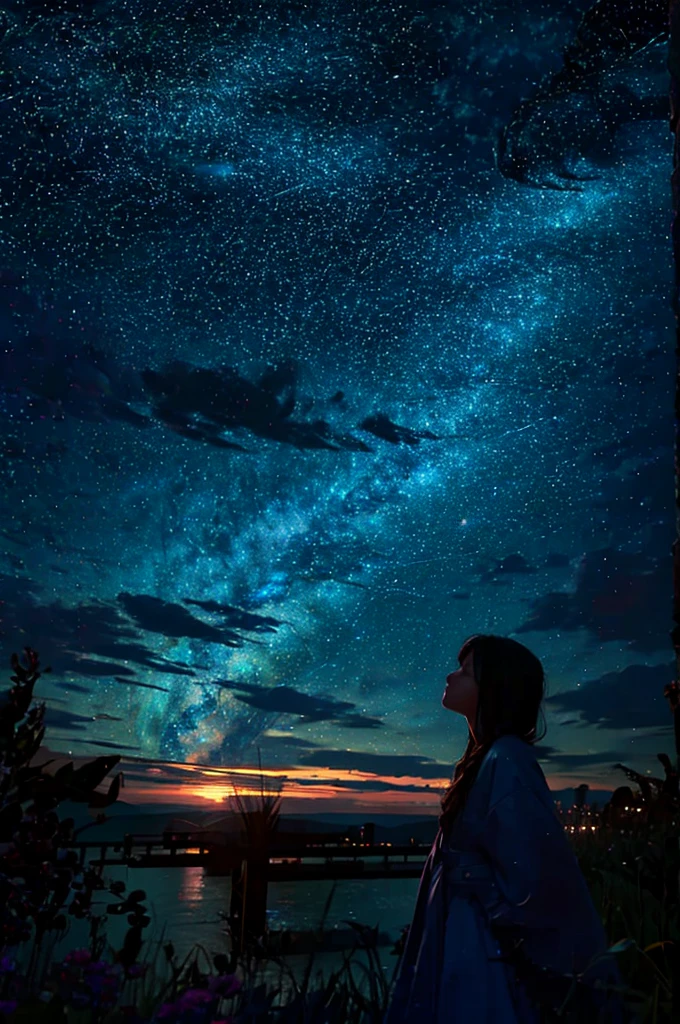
302	791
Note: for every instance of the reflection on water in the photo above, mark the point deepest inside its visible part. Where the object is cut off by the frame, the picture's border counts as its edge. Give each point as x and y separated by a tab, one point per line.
191	888
189	903
185	907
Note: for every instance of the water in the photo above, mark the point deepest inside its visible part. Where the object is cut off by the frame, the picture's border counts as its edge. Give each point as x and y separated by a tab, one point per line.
188	903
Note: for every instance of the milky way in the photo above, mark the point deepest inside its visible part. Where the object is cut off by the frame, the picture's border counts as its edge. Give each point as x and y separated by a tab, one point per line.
299	390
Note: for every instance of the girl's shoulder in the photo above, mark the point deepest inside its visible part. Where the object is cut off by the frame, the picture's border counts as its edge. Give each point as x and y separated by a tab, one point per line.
509	768
510	751
509	764
511	743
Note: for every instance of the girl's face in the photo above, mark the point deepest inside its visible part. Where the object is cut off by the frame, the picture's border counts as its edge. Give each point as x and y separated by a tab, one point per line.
461	693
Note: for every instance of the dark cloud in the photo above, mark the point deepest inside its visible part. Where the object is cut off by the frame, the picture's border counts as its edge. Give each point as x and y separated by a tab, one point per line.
649	442
19	451
619	595
173	621
639	438
556	560
103	744
50	365
143	686
632	698
56	718
565	127
543	751
665	733
559	761
87	640
395	765
637	501
157	780
514	564
74	687
238	618
52	370
632	499
376	682
272	743
358	722
370	786
288	701
383	427
100	669
200	404
93	639
279	750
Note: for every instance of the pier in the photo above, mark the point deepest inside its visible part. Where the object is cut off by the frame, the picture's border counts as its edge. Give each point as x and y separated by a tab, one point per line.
288	857
298	860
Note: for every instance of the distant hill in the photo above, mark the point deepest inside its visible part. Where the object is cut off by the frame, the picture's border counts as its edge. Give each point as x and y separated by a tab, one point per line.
121	817
145	819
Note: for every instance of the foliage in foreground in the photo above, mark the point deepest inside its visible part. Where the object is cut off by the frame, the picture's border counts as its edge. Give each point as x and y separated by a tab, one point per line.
634	884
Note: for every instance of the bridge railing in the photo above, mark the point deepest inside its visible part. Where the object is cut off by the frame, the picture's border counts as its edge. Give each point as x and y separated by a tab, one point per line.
169	845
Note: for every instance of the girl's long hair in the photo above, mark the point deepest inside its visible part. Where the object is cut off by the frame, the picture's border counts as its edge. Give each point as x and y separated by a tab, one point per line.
511	686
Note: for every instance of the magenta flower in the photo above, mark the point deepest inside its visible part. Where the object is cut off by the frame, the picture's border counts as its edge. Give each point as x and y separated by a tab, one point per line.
194	998
225	985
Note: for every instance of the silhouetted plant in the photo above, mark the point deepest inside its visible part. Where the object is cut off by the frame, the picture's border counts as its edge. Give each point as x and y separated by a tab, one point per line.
355	992
260	820
42	881
633	880
259	814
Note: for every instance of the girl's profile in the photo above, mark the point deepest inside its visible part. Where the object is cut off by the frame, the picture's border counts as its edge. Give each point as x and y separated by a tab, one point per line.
504	928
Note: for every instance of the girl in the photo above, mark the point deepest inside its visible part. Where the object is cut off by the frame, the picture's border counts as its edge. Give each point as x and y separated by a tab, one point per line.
504	929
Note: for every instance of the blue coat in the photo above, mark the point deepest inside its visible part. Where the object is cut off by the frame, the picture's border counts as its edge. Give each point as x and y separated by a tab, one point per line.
506	872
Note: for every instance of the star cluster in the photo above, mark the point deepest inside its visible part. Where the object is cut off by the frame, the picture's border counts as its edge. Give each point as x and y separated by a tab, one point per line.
299	390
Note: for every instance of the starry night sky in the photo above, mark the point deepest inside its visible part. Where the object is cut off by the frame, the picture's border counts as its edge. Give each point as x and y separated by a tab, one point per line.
298	390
